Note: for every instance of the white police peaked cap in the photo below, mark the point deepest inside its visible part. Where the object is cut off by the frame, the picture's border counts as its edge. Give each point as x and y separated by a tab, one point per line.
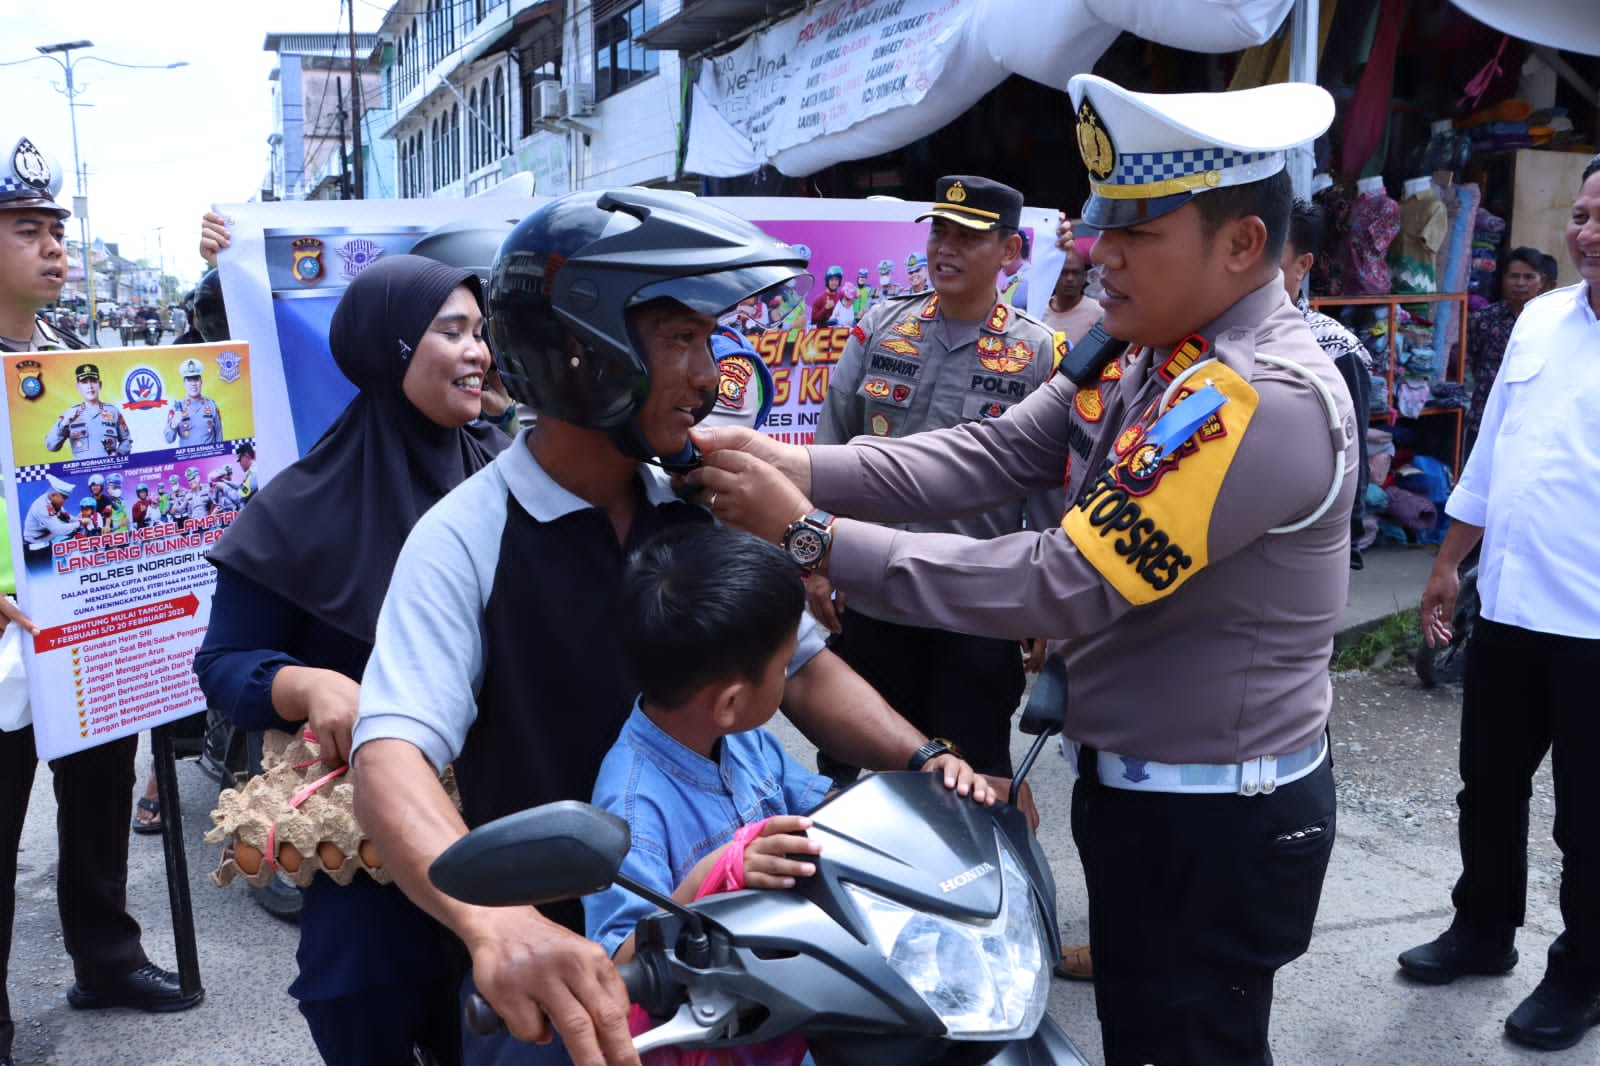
28	177
59	486
191	368
1149	153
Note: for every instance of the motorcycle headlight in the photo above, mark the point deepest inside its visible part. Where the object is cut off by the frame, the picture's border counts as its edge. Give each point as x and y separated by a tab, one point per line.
985	980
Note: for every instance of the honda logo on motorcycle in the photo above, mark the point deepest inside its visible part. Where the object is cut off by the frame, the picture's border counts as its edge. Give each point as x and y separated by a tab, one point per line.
966	877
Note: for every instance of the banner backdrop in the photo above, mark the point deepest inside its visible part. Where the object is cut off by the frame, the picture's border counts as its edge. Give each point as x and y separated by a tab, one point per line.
290	262
123	467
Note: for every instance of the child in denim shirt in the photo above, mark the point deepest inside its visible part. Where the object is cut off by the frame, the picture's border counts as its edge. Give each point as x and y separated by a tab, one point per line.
709	618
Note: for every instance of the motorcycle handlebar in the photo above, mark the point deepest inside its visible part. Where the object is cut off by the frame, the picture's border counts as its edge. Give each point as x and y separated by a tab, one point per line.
481	1019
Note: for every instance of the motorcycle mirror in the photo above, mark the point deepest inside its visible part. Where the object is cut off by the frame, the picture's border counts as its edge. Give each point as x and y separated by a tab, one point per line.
1047	703
552	852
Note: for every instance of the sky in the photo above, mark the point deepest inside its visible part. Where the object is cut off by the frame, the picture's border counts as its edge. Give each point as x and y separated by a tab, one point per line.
160	146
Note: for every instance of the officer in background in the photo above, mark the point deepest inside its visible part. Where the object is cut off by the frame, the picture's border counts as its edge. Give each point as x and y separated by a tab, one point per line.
93	787
194	419
1193	587
917	273
926	362
245	452
94	428
48	520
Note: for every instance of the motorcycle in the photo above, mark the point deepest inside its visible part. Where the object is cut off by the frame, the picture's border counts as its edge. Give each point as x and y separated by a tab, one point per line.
1445	665
127	331
152	331
925	936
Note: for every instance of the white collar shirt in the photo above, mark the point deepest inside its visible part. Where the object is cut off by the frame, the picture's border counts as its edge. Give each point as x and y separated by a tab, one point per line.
1533	480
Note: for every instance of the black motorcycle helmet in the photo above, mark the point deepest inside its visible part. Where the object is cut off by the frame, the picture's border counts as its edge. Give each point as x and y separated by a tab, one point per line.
468	245
210	313
568	273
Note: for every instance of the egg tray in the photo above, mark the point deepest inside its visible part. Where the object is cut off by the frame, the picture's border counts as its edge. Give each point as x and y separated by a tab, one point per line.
322	827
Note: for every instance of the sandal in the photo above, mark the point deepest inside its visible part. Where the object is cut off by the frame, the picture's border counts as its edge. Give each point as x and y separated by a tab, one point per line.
153	808
1076	964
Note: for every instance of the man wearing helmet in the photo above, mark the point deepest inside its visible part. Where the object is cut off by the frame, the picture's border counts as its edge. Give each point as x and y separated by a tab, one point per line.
832	306
94	787
496	649
144	508
194	419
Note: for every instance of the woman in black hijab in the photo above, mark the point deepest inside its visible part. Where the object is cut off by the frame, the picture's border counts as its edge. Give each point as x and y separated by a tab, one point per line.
301	575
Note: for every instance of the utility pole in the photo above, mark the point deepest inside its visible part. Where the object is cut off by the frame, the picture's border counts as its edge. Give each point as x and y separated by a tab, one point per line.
355	104
344	161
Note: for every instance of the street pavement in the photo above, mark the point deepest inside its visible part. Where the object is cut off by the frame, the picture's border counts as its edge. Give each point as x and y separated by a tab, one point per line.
1388	888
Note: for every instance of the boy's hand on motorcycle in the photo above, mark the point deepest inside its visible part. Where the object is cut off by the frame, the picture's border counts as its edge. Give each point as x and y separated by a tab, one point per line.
541	977
960	776
766	858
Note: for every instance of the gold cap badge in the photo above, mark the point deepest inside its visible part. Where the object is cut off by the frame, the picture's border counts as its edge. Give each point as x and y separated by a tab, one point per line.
956	193
1094	143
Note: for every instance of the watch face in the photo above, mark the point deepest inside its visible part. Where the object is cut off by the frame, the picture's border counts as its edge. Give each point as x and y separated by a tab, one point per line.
806	546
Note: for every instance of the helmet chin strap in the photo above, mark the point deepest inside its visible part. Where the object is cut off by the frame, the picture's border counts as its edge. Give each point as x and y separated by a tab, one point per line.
631	442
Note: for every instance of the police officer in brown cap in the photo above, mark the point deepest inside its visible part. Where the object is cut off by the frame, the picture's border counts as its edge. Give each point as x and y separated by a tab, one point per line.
928	361
94	428
94	787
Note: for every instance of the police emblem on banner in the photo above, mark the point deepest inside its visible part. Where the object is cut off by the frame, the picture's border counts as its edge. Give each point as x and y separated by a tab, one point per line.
307	268
142	388
358	255
30	384
228	366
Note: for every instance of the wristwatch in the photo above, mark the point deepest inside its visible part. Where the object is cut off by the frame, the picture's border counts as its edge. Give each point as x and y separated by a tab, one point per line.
808	539
931	750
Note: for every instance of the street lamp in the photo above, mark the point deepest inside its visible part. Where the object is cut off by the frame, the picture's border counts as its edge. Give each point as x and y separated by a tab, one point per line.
61	55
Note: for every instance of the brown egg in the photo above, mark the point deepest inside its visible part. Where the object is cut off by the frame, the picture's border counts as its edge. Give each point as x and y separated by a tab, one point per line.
289	857
369	855
247	858
332	858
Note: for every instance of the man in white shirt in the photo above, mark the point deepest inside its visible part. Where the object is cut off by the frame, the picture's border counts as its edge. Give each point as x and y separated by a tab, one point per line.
1531	493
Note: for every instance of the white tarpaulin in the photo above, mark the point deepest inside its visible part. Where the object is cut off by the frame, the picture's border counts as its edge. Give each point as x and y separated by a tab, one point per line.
853	78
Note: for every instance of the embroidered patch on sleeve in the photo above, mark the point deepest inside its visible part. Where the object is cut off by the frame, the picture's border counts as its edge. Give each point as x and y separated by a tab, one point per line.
1145	523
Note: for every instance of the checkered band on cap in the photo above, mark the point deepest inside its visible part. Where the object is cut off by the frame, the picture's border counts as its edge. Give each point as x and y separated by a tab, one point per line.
1153	174
10	185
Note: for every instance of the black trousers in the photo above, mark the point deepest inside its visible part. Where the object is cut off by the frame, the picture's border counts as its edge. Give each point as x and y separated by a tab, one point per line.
1526	694
94	797
1195	901
951	685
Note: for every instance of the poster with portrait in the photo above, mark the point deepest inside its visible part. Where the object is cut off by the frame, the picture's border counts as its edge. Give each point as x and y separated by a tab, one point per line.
124	466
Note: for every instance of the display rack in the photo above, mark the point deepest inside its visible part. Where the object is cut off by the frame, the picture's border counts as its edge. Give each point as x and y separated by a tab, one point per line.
1455	365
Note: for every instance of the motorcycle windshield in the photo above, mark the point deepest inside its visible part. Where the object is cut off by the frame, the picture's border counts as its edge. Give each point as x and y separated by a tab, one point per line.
907	836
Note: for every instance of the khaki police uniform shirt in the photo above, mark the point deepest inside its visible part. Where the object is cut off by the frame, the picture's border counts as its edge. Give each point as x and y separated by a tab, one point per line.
1189	632
906	369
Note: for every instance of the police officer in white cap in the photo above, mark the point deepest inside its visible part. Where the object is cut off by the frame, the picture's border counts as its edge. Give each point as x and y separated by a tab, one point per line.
194	419
47	520
1194	584
33	263
94	787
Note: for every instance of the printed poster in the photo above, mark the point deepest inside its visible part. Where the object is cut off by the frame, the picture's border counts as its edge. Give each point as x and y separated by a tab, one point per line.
291	261
124	466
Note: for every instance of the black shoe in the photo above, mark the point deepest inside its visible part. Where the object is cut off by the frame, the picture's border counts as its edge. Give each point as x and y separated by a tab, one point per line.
1453	955
279	900
149	988
1553	1017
